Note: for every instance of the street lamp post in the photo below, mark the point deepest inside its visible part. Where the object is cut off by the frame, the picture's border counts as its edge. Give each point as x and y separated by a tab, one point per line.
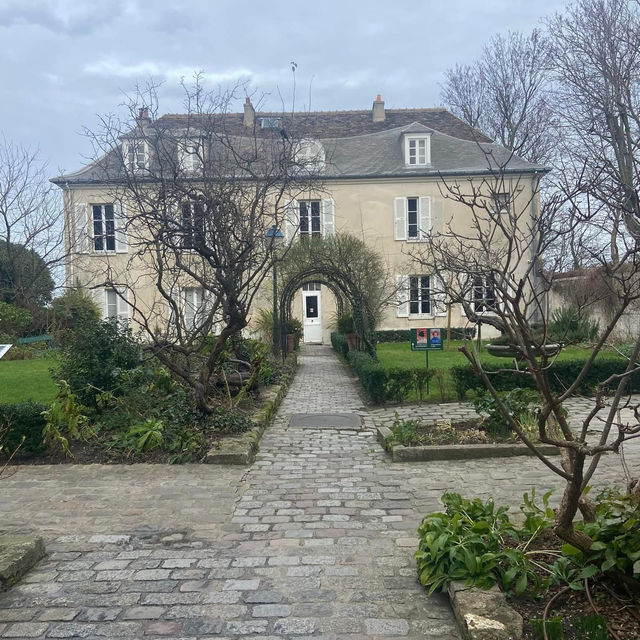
275	236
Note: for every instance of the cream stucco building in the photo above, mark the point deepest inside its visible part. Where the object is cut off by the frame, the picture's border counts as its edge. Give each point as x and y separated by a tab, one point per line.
384	179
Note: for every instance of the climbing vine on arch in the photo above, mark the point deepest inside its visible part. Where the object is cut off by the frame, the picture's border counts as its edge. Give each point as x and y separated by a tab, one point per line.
346	265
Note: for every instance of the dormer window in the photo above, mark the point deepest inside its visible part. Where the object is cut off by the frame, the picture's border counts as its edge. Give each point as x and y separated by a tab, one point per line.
270	122
136	155
417	150
191	154
309	155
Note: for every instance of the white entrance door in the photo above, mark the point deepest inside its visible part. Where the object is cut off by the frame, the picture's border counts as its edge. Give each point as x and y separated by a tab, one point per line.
312	313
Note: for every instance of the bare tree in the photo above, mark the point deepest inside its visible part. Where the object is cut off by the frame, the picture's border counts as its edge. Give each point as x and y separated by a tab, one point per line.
197	194
595	56
31	227
492	271
504	94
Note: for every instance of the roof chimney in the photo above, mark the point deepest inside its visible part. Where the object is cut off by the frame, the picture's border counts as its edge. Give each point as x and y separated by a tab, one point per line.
249	113
378	109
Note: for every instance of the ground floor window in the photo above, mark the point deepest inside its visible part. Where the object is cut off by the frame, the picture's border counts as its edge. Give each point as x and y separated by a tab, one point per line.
484	294
419	295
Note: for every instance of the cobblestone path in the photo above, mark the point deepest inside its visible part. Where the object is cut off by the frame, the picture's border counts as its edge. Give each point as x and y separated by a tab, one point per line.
315	540
319	543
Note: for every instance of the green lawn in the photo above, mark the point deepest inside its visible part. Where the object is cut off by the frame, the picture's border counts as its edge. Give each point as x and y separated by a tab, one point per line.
22	380
441	389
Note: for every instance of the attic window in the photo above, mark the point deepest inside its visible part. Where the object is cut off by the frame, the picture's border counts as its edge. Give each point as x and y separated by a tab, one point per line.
310	155
136	155
417	151
270	122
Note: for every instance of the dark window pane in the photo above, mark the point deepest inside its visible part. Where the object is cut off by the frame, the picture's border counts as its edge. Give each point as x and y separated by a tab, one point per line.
311	303
108	212
98	244
425	306
412	217
111	243
97	212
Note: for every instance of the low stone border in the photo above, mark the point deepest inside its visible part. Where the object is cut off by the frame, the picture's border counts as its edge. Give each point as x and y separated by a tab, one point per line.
18	553
483	614
243	449
400	453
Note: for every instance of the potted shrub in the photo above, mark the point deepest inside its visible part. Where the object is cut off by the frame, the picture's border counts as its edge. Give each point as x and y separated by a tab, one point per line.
293	329
345	326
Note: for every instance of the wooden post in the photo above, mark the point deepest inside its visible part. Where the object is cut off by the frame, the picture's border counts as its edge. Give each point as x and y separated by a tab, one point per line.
448	326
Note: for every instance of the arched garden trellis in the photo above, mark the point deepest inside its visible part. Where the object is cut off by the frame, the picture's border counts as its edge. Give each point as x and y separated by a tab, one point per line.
351	270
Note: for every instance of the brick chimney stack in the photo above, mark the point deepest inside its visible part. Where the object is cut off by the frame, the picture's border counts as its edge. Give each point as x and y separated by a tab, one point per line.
378	109
249	113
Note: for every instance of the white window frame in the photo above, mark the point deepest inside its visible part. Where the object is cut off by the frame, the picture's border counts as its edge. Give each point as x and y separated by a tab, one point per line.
309	205
417	159
136	155
192	306
188	240
103	235
502	202
312	286
481	300
424	221
114	304
191	154
420	300
110	310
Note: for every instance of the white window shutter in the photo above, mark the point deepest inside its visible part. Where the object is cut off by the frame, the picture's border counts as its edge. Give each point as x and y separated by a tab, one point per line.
400	218
328	218
80	222
438	297
425	216
291	220
402	289
123	306
99	297
437	215
120	224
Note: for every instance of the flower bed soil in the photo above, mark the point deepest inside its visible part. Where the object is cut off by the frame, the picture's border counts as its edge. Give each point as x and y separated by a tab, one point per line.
620	611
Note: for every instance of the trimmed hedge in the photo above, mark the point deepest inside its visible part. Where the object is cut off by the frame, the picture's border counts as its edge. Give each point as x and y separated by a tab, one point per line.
404	335
339	344
22	419
561	375
382	384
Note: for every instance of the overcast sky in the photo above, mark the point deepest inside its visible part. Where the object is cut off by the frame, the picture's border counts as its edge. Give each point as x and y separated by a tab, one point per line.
64	62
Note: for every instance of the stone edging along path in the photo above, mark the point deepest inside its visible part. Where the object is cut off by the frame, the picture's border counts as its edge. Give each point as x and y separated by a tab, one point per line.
400	453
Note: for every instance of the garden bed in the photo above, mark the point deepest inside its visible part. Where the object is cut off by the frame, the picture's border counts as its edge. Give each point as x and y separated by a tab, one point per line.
414	440
572	616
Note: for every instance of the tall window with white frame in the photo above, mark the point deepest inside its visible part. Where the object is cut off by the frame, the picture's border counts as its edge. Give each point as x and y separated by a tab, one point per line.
484	294
419	295
310	218
418	151
104	227
413	219
111	304
192	306
192	224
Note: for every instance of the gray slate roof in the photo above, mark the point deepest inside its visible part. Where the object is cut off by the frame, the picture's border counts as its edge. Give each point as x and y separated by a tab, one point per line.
456	148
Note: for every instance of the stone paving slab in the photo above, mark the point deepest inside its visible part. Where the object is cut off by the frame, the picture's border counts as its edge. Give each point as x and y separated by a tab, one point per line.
315	540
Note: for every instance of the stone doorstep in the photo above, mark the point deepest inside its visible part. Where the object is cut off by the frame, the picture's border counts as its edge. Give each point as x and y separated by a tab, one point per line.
242	450
18	553
483	614
400	453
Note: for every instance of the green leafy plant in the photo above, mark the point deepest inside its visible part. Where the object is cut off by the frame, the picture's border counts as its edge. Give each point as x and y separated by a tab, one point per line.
571	324
420	380
517	402
93	356
148	435
468	541
13	319
21	425
344	323
65	420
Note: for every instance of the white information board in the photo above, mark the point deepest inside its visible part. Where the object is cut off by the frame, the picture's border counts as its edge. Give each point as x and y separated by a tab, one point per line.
4	348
